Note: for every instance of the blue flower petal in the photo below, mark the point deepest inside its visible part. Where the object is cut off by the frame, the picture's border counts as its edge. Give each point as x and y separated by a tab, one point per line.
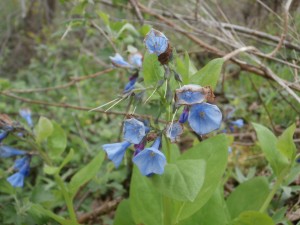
130	85
6	151
22	164
134	130
173	131
150	161
136	59
16	180
205	118
184	115
156	42
118	61
189	95
239	123
26	114
3	135
116	151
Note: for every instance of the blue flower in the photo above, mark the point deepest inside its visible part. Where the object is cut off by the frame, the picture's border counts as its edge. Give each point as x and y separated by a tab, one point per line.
184	115
151	160
26	114
23	167
118	61
239	123
134	130
130	85
173	131
6	151
19	163
136	59
3	135
205	118
156	42
116	151
189	95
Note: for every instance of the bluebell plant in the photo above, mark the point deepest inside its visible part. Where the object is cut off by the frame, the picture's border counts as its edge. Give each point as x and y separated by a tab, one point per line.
202	116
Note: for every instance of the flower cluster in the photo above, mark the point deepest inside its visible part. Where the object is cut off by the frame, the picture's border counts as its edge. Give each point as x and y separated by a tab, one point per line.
149	160
202	117
21	165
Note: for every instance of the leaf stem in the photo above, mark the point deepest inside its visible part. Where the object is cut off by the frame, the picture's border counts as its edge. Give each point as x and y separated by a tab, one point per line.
272	193
67	198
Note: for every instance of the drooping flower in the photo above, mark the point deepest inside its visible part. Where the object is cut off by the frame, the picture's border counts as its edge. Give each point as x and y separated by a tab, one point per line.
150	160
26	114
3	135
6	151
189	95
156	42
116	151
204	118
134	130
130	85
136	59
239	123
184	115
174	130
23	167
118	61
19	163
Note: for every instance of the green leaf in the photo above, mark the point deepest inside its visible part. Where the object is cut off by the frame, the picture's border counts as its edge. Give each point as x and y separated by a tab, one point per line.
286	145
123	214
145	202
57	141
104	17
214	152
214	212
144	30
250	195
5	187
55	170
152	70
267	142
43	129
4	84
37	209
253	218
209	74
86	173
128	27
181	180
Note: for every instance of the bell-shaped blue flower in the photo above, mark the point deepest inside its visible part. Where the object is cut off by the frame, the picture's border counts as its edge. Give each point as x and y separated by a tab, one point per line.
23	167
134	130
116	151
156	42
184	115
6	151
174	130
189	95
238	123
136	59
3	135
118	61
151	160
204	118
26	114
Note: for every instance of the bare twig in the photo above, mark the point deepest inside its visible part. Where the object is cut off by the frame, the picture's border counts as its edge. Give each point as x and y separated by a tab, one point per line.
101	210
137	11
285	28
72	82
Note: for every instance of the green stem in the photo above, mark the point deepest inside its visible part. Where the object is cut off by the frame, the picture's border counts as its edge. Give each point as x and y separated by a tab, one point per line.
271	194
67	198
167	213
